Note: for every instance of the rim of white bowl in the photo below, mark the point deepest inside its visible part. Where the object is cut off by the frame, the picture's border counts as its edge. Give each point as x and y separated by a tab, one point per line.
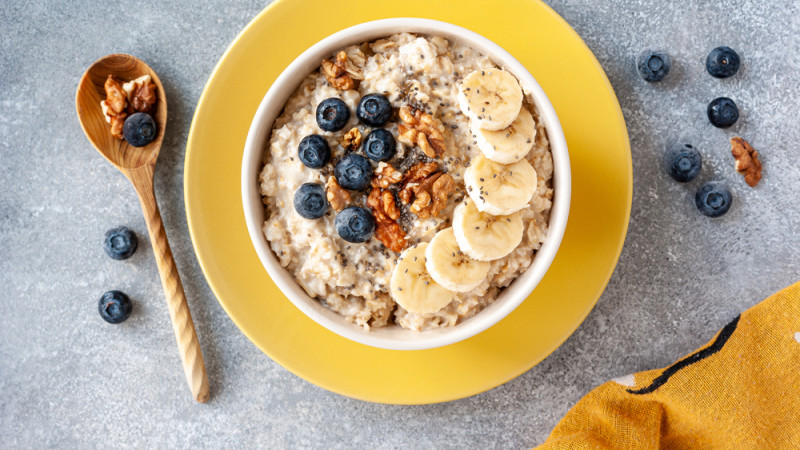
395	337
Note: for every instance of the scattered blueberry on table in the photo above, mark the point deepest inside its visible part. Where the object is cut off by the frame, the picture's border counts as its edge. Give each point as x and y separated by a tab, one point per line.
314	151
722	62
682	162
374	110
355	224
120	243
722	112
139	129
653	65
310	201
713	199
380	145
332	114
353	172
115	307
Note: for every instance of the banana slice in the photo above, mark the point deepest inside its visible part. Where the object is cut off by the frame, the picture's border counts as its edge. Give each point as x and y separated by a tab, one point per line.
450	267
500	189
509	144
483	236
412	286
490	98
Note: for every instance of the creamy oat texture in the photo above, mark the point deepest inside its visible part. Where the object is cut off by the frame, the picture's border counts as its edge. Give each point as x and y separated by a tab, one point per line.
353	279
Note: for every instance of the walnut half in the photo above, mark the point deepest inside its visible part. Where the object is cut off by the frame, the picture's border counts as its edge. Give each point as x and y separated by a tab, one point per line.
747	162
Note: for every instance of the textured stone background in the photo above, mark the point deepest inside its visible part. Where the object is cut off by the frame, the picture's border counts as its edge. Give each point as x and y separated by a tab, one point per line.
69	380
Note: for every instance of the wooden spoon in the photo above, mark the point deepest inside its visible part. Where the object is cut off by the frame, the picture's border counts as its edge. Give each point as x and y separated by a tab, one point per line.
138	165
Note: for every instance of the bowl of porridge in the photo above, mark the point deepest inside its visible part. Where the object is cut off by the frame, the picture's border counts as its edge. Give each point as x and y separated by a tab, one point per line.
406	183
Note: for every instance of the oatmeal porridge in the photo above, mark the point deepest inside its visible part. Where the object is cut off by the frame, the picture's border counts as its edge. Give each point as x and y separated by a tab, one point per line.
407	181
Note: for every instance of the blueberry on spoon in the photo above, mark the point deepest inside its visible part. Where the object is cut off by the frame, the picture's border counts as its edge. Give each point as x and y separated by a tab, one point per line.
139	129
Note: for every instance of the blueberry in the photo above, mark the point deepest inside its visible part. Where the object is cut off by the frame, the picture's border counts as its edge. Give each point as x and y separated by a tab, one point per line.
332	114
380	145
115	307
653	65
139	129
310	201
120	243
682	162
713	199
355	224
722	62
374	110
313	151
722	112
353	172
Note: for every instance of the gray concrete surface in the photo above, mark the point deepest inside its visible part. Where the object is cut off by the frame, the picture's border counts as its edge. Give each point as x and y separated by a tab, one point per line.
69	380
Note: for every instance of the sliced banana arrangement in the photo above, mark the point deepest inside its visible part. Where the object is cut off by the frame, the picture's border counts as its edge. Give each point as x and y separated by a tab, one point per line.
413	288
450	266
483	236
487	225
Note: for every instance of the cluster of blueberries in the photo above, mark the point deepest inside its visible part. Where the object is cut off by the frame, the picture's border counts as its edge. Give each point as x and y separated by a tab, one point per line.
353	171
722	62
119	243
683	161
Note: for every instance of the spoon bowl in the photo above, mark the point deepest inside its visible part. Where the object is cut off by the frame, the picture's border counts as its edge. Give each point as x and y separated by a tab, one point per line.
138	165
91	92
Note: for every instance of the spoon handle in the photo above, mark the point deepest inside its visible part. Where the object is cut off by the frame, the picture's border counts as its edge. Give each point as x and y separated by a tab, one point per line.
182	325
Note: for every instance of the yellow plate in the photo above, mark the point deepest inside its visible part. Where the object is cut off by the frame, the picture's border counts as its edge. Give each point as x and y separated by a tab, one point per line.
601	200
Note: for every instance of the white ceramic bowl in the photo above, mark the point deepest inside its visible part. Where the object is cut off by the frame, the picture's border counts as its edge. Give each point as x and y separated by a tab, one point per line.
395	337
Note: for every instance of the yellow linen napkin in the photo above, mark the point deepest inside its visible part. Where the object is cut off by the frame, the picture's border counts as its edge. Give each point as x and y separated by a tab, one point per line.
741	390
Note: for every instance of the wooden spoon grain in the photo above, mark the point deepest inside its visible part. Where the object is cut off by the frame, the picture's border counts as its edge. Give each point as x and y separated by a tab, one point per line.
138	165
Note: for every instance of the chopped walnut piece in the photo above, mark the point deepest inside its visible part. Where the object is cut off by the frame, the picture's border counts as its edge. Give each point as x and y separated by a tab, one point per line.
143	96
421	129
428	189
441	190
389	206
385	211
352	139
114	106
747	162
341	72
115	96
420	205
386	175
337	196
117	121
